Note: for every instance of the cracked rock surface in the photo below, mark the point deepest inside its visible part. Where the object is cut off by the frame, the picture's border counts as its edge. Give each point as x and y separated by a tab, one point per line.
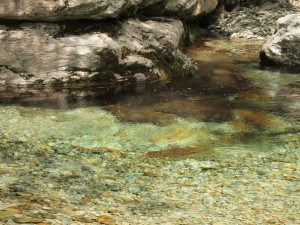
104	43
252	21
283	47
54	10
52	54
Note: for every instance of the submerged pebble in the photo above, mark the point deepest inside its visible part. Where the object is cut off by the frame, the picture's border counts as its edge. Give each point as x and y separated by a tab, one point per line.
154	162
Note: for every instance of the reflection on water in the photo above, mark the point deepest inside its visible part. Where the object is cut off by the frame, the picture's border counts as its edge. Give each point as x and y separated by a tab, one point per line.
232	101
219	148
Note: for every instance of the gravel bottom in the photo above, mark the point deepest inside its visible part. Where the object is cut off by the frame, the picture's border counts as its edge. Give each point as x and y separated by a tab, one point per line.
89	166
108	187
45	180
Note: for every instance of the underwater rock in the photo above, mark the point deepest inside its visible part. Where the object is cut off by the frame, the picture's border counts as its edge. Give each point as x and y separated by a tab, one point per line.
195	152
145	115
283	47
173	153
288	101
27	220
106	219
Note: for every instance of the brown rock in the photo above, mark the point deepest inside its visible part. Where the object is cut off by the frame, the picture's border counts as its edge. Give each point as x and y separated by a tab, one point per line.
82	219
173	153
27	220
12	210
106	219
4	215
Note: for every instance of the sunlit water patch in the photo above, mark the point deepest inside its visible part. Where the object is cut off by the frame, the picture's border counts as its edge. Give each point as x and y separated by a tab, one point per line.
231	102
221	147
93	127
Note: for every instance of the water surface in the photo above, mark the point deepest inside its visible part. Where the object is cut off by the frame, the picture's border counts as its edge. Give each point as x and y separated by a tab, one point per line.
232	102
223	145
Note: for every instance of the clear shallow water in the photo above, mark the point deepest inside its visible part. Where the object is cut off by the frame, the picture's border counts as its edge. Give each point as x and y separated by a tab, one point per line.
69	156
232	103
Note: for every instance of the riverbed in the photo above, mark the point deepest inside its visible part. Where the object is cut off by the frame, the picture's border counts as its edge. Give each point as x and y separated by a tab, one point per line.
221	147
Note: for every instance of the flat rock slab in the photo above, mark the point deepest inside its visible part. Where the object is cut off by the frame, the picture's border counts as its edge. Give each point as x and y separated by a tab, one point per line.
283	48
51	10
58	10
90	52
184	9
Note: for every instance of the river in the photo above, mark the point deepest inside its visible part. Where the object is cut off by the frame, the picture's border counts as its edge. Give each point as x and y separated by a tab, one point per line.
221	147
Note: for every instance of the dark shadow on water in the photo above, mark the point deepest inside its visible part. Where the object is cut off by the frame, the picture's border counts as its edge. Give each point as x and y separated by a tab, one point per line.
281	69
202	88
65	98
238	102
218	92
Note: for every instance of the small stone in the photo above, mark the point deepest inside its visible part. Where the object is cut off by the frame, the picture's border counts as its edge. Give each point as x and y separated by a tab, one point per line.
256	29
5	215
106	219
24	194
260	172
82	219
140	77
27	220
133	189
13	210
119	78
114	211
149	172
209	165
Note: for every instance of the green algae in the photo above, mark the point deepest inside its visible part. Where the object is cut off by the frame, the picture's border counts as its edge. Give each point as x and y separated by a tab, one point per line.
95	127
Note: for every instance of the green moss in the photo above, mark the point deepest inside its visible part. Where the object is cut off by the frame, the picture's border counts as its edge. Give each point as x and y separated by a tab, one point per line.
176	66
181	68
194	33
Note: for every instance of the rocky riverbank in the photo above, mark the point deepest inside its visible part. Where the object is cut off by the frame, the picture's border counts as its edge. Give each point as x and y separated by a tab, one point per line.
64	54
134	39
250	20
221	148
126	40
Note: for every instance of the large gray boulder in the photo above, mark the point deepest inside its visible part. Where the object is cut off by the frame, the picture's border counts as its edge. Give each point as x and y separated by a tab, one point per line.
184	9
52	10
283	48
90	53
55	10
